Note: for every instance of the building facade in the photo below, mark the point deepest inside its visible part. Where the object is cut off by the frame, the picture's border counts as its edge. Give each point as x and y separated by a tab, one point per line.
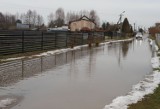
84	23
22	26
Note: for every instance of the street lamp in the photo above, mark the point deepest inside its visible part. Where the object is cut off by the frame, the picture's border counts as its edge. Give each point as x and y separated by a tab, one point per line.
120	19
119	23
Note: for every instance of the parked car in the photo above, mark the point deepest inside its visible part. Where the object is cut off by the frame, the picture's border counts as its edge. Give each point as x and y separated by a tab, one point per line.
139	36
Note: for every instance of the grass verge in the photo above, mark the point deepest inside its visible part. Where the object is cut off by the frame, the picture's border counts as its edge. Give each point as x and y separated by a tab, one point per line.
151	101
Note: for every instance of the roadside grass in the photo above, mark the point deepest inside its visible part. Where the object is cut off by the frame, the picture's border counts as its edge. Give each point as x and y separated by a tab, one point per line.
151	101
155	69
158	54
152	37
158	43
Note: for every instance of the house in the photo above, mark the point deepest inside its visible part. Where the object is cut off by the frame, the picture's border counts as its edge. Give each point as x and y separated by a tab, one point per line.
84	23
157	25
19	25
22	26
155	29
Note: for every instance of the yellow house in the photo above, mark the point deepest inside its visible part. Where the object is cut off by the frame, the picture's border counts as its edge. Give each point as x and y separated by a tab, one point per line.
84	23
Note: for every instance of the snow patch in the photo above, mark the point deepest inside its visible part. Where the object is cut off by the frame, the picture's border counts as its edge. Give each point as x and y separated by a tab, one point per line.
156	48
151	42
6	102
60	51
155	62
121	40
11	59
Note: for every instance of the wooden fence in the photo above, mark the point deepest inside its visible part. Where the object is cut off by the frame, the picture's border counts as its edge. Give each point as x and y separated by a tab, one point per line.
13	42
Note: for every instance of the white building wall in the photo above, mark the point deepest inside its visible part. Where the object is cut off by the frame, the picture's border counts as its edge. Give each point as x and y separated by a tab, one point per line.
22	26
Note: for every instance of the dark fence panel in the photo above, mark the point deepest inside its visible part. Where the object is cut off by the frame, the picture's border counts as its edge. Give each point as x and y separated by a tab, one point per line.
61	39
13	42
32	41
49	40
10	42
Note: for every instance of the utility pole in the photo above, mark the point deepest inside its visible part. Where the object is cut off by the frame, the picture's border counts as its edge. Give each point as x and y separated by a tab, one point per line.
120	21
134	27
120	18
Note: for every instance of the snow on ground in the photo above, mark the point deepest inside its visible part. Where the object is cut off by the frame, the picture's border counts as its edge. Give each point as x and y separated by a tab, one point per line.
6	102
11	59
155	62
156	48
60	51
145	87
150	40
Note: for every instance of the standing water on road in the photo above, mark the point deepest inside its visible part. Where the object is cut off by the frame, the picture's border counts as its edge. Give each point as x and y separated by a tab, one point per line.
79	79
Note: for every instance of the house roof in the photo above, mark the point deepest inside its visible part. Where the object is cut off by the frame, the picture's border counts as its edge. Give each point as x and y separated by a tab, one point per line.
83	18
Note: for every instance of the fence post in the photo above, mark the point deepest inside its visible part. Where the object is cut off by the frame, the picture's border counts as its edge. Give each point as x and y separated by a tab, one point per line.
42	41
66	39
82	38
55	40
22	41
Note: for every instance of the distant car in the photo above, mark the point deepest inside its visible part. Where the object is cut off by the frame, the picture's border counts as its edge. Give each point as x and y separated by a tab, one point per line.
139	36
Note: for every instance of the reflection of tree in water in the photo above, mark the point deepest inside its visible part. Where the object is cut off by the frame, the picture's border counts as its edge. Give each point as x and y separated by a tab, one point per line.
125	48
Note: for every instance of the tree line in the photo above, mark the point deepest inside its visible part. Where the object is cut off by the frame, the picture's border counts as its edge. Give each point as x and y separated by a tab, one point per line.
59	18
7	20
55	19
125	27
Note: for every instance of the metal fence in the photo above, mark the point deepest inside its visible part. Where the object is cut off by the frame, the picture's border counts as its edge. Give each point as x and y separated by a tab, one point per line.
158	37
13	42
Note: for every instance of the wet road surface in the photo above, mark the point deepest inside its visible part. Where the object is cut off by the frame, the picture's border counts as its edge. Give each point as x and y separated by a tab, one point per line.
80	79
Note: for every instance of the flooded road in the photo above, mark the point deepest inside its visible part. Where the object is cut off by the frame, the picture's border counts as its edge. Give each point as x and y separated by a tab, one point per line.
80	79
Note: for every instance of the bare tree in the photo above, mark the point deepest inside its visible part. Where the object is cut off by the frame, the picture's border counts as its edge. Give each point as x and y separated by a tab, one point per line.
94	17
84	13
51	19
34	18
22	17
60	14
60	17
2	20
7	20
71	16
28	17
40	20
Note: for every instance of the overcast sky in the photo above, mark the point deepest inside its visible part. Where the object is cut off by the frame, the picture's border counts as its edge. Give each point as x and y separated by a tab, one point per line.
142	12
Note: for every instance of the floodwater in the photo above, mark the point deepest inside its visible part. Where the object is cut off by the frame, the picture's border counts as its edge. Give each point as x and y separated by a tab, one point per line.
80	79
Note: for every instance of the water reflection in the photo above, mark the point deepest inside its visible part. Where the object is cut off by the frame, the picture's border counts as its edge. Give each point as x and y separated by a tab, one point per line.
120	49
138	42
12	72
125	47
